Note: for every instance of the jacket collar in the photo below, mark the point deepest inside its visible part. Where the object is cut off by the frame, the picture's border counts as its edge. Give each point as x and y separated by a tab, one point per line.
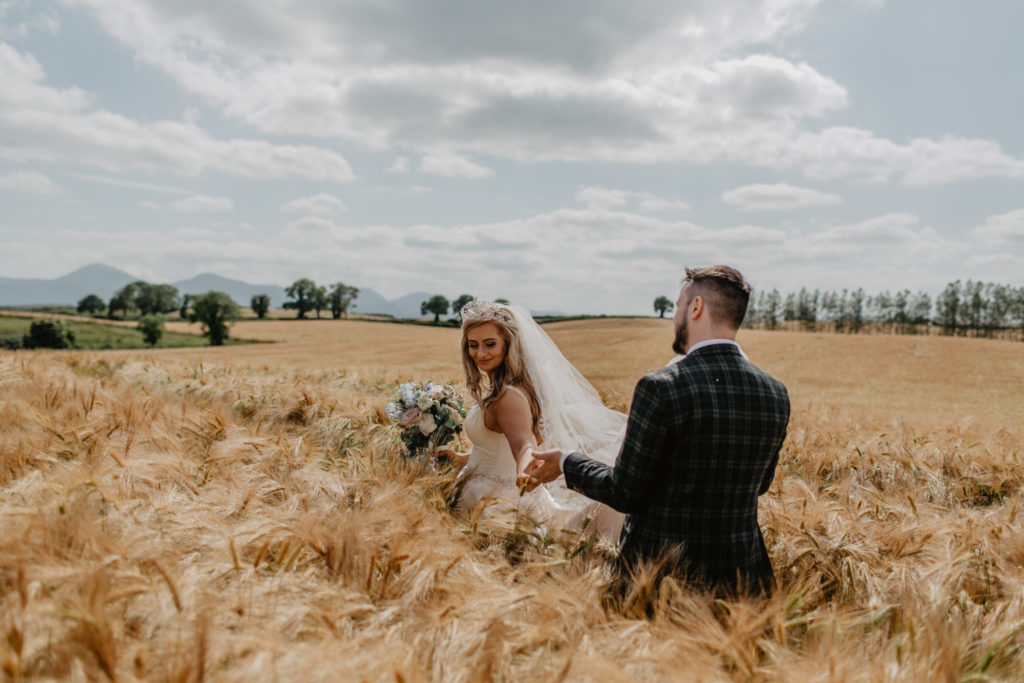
727	346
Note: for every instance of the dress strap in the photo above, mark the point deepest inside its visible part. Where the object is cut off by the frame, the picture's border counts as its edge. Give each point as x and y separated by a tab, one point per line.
518	391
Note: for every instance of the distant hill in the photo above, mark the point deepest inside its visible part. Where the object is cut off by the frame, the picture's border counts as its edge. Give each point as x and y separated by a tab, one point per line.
95	278
103	281
241	292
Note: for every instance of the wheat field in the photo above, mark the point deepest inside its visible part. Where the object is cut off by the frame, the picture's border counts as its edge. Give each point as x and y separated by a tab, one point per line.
242	514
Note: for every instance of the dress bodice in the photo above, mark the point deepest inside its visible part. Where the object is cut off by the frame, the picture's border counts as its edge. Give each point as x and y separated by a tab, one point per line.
491	456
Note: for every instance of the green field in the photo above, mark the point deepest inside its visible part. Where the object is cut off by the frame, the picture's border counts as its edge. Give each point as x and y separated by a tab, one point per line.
101	335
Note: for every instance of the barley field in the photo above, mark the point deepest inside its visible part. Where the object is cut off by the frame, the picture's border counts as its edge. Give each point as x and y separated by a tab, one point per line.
242	514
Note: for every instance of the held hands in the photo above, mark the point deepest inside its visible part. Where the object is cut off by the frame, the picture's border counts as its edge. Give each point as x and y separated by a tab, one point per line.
539	467
546	465
523	480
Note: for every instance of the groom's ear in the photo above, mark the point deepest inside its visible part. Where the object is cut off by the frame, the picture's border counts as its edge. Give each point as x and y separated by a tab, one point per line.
696	307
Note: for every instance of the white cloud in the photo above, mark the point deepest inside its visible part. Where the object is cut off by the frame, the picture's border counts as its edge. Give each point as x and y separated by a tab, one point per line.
134	184
399	165
856	154
777	197
322	204
1002	230
597	197
661	80
451	165
585	260
17	21
51	124
203	203
28	182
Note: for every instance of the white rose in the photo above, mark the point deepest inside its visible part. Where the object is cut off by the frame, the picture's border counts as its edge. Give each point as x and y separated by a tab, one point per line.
426	423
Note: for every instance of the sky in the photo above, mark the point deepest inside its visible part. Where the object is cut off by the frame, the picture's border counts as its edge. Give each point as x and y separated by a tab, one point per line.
571	155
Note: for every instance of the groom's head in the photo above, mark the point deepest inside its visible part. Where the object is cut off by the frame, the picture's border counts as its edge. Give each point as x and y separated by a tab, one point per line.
712	303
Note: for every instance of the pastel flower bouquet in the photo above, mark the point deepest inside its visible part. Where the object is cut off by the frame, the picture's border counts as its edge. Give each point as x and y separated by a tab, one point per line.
429	414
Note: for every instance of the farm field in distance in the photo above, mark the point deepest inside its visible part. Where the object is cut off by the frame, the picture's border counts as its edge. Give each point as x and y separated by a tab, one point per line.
242	513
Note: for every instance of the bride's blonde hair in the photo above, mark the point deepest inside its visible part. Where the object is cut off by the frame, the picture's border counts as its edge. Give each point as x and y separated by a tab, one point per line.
512	371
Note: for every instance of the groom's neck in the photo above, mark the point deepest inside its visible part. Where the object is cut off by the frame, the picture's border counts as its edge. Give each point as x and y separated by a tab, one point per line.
697	335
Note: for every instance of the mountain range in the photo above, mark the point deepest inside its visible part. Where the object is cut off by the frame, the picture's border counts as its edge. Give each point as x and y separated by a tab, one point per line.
103	281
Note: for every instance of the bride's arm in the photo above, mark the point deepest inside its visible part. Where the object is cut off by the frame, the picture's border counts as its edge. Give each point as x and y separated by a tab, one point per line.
460	459
512	416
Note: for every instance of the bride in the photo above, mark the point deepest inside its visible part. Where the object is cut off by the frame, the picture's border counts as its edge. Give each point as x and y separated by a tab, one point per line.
532	396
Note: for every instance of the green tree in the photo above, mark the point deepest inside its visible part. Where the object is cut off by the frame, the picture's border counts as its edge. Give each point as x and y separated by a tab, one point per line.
437	304
48	334
461	301
948	308
920	309
91	304
124	299
303	291
319	300
260	304
1017	308
772	311
663	305
901	312
152	328
807	308
789	311
341	298
186	303
150	299
214	311
499	300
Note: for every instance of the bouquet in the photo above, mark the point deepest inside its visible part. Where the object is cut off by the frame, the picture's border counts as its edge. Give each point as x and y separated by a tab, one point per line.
430	415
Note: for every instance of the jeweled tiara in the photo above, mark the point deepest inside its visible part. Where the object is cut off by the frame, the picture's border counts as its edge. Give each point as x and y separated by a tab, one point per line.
485	310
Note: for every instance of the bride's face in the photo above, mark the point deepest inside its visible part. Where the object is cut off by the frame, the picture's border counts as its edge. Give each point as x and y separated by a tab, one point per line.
486	346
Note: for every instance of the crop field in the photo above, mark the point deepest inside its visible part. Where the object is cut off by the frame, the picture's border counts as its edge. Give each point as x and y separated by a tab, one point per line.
243	514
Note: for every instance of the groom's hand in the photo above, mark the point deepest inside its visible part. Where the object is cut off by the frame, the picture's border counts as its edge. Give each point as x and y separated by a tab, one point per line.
546	465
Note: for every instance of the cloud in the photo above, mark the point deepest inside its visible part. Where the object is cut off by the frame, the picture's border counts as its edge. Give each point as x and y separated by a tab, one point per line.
452	165
203	203
597	197
322	204
855	154
28	182
777	197
17	21
574	259
58	124
134	184
399	165
656	81
1002	230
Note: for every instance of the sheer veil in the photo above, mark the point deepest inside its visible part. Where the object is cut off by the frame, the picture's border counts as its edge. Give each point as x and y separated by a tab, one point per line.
572	414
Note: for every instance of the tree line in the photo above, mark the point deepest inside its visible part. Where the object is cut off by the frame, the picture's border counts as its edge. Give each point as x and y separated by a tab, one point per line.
213	310
976	309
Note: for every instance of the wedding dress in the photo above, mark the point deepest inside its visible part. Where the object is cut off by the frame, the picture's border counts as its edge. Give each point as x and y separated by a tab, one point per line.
572	417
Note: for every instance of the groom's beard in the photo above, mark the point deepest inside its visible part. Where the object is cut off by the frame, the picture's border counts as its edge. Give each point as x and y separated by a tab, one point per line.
682	335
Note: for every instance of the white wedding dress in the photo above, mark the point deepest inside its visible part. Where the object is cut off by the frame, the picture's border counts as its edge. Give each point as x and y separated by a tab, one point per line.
572	417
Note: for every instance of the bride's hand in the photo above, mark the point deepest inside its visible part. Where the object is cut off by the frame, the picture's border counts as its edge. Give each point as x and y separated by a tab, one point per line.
459	459
523	479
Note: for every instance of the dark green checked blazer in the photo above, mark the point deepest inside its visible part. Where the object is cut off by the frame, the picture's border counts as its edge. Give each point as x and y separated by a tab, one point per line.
701	445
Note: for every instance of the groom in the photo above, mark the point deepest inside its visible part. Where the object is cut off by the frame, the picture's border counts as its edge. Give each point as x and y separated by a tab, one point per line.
701	445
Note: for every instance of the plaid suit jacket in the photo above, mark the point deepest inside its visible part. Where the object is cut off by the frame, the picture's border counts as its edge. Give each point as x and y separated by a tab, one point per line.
701	445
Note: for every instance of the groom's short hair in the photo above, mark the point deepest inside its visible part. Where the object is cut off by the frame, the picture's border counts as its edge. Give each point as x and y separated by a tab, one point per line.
724	289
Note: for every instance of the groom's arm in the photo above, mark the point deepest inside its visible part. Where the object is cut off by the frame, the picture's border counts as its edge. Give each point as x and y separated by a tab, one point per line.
625	486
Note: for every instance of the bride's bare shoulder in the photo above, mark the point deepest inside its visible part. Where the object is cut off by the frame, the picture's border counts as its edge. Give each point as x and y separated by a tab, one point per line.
511	403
